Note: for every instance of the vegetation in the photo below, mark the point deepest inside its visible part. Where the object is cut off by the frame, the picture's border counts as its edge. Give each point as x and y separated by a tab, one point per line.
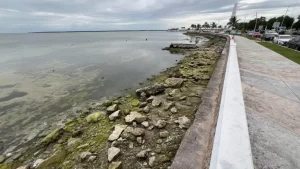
233	21
286	52
267	24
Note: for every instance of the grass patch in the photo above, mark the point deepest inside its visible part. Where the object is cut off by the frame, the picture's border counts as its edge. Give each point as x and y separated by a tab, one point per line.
286	52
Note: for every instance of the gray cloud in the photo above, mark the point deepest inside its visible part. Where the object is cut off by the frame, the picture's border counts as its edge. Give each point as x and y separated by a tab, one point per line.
52	15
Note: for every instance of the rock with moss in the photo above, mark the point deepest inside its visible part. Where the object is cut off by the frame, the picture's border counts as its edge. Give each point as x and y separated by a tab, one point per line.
135	102
94	117
53	136
73	141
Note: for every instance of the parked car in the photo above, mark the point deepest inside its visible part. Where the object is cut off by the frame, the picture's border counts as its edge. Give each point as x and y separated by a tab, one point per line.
256	35
296	33
269	35
294	43
250	33
235	32
282	39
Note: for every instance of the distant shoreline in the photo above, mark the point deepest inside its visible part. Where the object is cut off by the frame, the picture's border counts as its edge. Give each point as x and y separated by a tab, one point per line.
97	31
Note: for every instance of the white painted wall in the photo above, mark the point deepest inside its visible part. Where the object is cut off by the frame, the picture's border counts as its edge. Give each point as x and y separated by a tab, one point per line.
231	149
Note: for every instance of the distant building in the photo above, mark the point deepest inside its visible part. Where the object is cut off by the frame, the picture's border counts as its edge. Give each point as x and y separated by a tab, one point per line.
182	29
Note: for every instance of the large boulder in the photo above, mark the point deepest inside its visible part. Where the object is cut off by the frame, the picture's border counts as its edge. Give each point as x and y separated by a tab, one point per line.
174	82
117	132
151	90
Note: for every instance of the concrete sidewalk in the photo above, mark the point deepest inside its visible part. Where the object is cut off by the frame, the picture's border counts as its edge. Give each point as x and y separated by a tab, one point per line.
271	88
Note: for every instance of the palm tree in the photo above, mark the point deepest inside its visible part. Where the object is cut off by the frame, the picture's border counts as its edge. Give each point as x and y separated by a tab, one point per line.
233	22
198	26
213	25
206	25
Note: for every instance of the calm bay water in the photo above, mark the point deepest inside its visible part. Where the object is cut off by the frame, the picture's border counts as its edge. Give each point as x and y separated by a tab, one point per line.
45	74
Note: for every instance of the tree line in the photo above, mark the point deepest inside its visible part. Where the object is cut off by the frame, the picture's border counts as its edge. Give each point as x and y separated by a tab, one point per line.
206	25
288	22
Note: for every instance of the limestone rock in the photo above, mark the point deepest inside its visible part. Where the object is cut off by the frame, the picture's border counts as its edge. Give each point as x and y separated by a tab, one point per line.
142	154
145	124
112	153
183	122
117	132
112	108
115	165
114	115
175	93
92	158
24	167
174	82
182	98
37	163
156	102
151	161
163	134
168	106
173	110
138	131
151	90
94	117
146	109
143	104
135	116
161	124
139	140
85	155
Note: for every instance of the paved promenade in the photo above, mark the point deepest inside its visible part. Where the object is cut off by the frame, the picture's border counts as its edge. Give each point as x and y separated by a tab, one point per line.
271	89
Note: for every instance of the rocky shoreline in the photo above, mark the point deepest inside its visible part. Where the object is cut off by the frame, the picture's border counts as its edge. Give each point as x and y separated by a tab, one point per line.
142	129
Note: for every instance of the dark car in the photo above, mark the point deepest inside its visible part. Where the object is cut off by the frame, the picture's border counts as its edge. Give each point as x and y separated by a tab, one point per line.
294	43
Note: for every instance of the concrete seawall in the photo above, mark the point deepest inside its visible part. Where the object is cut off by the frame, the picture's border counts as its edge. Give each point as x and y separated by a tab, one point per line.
196	146
219	137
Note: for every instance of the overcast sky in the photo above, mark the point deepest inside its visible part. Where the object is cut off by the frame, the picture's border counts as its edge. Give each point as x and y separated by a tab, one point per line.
58	15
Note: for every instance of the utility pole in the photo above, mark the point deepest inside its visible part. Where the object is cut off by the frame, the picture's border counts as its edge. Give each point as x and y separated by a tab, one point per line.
255	22
285	15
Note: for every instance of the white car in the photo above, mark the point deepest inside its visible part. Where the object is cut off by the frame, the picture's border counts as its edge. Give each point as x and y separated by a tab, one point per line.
282	39
250	33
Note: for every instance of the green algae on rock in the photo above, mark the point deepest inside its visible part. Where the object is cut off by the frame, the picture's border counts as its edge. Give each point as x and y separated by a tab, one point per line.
94	117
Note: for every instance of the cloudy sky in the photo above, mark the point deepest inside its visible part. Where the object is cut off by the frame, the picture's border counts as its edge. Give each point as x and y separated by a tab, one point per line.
58	15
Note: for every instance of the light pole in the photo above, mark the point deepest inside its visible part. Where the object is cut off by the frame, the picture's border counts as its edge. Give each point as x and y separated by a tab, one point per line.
255	22
284	15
